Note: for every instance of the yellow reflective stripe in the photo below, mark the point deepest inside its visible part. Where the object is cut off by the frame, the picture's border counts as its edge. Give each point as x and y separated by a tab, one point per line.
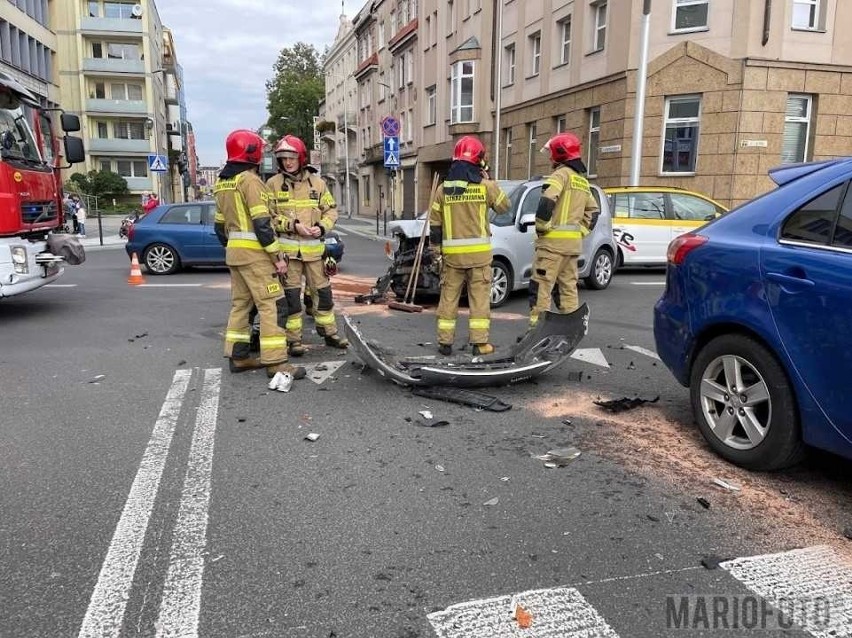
326	223
564	234
274	247
327	200
436	206
323	318
272	342
533	320
219	218
242	213
467	241
580	183
244	243
483	219
312	250
458	250
294	323
233	336
480	324
552	182
500	198
448	221
446	324
456	183
259	211
224	185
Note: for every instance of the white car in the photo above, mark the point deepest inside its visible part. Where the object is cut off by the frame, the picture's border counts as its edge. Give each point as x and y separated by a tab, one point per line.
512	244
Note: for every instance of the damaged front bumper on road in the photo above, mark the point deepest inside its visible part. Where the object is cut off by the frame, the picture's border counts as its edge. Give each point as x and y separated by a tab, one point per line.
541	349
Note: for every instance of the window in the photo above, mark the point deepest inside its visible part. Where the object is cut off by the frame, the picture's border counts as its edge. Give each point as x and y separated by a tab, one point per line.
508	135
843	230
400	70
451	17
381	35
797	127
366	184
403	116
680	138
535	53
132	168
806	14
102	130
433	33
690	15
594	140
428	32
532	131
431	106
383	87
124	92
94	9
124	130
693	208
409	66
461	93
600	26
186	215
530	203
106	165
116	51
409	126
100	91
123	10
509	58
813	223
507	218
403	13
565	40
639	205
561	124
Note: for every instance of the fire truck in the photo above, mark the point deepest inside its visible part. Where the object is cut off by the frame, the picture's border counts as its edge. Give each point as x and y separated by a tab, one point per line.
33	250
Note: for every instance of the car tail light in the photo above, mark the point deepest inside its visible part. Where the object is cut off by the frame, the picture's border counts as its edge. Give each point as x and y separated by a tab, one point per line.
681	246
131	231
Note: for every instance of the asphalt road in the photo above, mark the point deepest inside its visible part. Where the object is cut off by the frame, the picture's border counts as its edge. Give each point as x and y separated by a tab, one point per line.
147	492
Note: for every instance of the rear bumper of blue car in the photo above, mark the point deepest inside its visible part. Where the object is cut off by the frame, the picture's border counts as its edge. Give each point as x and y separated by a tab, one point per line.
672	333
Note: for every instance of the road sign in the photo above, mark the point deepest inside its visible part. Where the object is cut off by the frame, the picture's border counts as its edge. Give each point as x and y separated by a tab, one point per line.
158	163
390	126
391	152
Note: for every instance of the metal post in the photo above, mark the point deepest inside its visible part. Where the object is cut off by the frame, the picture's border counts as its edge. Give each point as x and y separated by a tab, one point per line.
639	109
346	147
498	101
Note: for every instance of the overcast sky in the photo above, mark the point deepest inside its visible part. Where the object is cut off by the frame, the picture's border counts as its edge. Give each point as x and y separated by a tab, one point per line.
227	49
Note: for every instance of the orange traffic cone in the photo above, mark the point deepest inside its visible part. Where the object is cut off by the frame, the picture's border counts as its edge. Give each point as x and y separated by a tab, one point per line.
135	277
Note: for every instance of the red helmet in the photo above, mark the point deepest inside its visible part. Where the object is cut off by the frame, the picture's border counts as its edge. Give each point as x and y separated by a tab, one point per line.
563	147
244	146
289	145
469	149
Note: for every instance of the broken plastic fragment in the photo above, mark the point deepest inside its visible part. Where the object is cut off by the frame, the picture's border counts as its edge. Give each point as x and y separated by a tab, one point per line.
703	502
493	501
97	378
559	457
523	617
726	485
623	404
440	468
312	436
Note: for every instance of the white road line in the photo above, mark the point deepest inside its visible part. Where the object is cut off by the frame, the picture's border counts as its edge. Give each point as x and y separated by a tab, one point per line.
105	615
813	586
60	286
555	613
169	285
645	351
181	604
647	283
590	355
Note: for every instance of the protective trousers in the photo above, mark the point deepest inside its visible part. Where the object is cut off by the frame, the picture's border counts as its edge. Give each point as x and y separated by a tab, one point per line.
556	275
478	280
256	284
323	311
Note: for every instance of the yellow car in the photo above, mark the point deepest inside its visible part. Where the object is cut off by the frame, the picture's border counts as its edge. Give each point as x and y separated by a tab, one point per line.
646	218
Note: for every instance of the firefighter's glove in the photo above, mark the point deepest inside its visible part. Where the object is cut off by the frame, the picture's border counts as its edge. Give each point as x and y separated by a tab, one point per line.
437	260
330	266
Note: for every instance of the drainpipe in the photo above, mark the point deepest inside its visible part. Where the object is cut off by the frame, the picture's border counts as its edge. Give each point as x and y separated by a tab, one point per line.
641	82
767	18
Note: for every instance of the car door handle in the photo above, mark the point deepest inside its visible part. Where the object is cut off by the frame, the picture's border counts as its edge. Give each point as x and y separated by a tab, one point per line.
791	281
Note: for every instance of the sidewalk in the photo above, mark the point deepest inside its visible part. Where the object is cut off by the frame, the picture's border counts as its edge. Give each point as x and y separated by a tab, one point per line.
362	227
110	225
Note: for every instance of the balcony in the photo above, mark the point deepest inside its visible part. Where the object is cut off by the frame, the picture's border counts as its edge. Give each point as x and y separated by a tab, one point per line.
110	26
113	145
107	65
353	166
171	91
328	168
118	107
375	153
350	120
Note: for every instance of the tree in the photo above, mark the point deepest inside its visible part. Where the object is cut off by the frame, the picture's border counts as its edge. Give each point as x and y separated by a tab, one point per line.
294	93
98	183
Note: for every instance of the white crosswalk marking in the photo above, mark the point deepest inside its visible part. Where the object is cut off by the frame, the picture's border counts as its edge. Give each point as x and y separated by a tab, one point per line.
813	586
181	604
645	351
105	615
590	355
555	613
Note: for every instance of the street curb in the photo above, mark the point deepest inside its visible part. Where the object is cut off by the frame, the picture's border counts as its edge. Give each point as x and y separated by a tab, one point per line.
361	233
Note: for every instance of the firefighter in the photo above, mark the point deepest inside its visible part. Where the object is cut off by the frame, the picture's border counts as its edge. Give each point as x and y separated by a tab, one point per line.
460	240
244	226
563	218
306	212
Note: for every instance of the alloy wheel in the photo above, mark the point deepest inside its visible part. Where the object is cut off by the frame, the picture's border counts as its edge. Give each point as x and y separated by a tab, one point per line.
160	259
499	284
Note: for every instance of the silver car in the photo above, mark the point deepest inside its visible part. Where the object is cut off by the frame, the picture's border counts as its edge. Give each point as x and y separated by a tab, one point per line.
512	243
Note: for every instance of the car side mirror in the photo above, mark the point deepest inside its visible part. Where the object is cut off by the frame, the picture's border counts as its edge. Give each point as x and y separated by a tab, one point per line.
74	151
70	123
527	220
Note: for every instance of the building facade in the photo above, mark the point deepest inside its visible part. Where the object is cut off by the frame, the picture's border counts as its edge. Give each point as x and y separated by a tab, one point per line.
28	46
734	88
339	134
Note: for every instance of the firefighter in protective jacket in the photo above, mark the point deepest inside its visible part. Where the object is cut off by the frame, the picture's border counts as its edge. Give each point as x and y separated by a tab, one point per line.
306	212
460	239
562	220
244	226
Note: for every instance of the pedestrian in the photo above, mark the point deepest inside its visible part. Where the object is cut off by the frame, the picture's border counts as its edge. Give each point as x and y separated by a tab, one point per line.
563	218
81	219
243	224
75	203
306	212
460	241
151	203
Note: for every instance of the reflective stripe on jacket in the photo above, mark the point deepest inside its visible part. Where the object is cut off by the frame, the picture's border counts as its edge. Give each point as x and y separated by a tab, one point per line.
242	207
572	213
308	201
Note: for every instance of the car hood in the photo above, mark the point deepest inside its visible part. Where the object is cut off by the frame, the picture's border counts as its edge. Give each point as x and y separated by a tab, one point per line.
407	227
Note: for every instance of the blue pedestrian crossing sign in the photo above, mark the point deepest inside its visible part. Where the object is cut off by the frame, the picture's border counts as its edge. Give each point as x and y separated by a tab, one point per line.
392	152
158	163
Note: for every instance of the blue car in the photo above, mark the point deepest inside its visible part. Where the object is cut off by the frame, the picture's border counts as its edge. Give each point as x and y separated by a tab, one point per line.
177	235
756	320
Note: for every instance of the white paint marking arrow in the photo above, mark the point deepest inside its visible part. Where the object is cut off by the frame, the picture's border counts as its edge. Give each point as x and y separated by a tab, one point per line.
590	355
645	351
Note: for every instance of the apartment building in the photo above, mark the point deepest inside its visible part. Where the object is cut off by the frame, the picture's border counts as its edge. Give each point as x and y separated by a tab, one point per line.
339	136
118	69
28	46
734	88
386	35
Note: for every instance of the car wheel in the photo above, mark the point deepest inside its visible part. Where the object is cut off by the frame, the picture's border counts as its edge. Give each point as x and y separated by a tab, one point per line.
501	283
601	272
744	404
161	259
